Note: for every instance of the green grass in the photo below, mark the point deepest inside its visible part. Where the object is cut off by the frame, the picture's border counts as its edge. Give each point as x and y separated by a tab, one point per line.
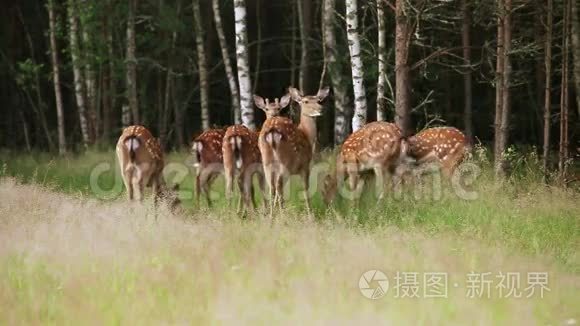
71	255
523	213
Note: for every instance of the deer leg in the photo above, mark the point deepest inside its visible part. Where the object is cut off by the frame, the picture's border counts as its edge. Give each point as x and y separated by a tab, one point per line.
280	190
270	179
240	205
127	180
306	181
198	187
229	174
262	183
380	182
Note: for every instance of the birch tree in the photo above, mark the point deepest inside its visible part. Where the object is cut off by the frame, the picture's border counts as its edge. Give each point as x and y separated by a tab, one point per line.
89	69
54	56
232	83
548	87
382	58
242	55
360	102
77	70
131	64
201	66
339	84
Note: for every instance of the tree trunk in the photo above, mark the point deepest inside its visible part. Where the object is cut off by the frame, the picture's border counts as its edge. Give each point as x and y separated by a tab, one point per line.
232	82
202	65
402	82
305	24
466	41
564	98
77	70
360	101
89	70
382	58
131	64
247	107
506	96
575	36
548	87
498	152
109	80
339	84
56	78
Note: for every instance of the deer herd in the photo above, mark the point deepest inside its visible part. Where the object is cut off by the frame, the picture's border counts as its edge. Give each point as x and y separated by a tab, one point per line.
281	149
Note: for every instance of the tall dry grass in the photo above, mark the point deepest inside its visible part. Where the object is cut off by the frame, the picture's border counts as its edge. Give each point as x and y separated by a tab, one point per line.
74	260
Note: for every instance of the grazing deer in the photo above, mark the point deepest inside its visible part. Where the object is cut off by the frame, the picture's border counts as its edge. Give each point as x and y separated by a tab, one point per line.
376	146
286	148
446	146
142	161
242	154
207	152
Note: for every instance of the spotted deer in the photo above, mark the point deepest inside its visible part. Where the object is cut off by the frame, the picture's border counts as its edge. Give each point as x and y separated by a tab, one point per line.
208	161
445	146
241	153
142	162
287	148
376	147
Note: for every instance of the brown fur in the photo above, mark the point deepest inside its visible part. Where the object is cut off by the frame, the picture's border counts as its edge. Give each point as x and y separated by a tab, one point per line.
287	149
143	167
209	160
376	146
444	145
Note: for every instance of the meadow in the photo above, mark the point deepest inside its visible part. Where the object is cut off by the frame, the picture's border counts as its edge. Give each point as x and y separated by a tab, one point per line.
72	250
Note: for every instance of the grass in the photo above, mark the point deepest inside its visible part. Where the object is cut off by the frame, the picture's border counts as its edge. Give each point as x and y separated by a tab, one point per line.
69	253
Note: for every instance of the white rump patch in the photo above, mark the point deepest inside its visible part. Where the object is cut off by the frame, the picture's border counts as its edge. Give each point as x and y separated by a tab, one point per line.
132	143
239	142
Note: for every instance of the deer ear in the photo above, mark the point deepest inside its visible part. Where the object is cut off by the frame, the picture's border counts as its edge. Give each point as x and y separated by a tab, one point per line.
259	101
323	93
285	100
296	94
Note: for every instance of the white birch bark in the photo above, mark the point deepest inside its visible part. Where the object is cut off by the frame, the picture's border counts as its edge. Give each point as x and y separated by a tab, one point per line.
242	55
360	102
56	78
232	82
77	70
201	65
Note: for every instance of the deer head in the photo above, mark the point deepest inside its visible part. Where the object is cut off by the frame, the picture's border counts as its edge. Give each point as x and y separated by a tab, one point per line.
272	109
309	105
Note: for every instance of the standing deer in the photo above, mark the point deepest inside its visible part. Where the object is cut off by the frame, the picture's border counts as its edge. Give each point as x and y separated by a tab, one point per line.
207	152
242	154
376	146
142	161
446	146
286	148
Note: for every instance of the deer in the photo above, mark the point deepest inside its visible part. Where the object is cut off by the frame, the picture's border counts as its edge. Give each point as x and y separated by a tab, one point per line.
287	148
241	153
445	146
376	147
208	159
142	161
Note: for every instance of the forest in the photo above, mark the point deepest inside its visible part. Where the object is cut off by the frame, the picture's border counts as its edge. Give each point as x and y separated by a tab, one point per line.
73	73
424	168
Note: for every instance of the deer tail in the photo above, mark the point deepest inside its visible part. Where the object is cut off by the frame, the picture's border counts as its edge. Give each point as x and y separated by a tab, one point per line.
132	143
